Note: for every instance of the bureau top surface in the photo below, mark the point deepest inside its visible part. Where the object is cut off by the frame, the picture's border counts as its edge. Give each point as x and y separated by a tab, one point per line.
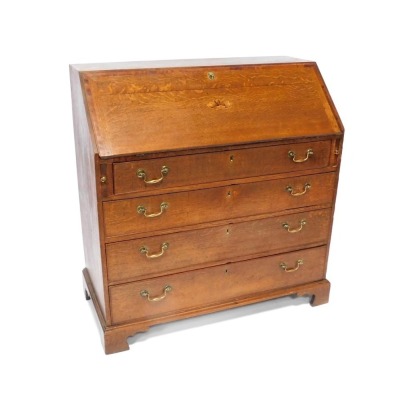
136	108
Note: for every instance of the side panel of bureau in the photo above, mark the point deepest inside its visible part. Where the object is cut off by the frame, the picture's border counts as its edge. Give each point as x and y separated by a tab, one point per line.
86	170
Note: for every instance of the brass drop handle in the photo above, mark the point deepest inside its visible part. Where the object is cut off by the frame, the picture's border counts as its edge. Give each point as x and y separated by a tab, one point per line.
145	250
292	155
146	293
294	230
290	189
141	173
285	268
143	210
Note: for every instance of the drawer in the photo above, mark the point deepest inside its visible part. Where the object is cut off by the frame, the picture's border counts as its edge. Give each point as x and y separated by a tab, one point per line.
156	213
159	255
170	172
215	285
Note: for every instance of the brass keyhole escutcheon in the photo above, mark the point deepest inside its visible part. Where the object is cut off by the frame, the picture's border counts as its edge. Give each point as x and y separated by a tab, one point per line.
211	75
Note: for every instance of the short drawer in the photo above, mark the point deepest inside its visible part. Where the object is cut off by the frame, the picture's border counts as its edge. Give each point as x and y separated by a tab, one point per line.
156	213
148	298
159	255
169	172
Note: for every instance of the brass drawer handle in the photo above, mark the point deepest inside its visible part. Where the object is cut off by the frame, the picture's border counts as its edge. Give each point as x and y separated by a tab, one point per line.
290	189
141	173
292	155
145	293
285	268
145	250
295	230
143	210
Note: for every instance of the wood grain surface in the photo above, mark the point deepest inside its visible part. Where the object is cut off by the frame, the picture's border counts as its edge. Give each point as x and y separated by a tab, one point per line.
86	158
142	111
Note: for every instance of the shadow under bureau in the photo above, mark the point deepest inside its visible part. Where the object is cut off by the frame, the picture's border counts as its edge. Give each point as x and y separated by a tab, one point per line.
204	185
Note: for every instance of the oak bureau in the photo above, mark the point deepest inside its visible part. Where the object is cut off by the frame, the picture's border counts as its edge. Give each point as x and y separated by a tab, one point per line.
204	185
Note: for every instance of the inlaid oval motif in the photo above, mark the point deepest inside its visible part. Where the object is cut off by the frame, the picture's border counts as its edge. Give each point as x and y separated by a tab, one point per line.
219	104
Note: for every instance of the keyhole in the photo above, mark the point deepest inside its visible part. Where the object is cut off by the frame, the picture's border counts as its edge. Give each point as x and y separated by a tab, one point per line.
211	75
228	231
231	158
229	194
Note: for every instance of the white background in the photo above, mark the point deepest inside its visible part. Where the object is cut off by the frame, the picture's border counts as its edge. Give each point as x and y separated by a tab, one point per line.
50	347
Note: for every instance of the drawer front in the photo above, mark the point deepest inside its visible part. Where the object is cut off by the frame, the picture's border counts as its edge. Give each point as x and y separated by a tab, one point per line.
215	285
144	175
159	255
155	213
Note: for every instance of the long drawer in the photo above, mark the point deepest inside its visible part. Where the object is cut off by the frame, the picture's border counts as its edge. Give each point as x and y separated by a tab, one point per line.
155	213
169	172
159	255
148	298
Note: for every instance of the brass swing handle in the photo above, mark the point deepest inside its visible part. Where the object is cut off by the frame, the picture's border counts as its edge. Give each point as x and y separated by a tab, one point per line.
292	155
143	210
145	250
290	189
141	173
146	293
285	268
294	230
